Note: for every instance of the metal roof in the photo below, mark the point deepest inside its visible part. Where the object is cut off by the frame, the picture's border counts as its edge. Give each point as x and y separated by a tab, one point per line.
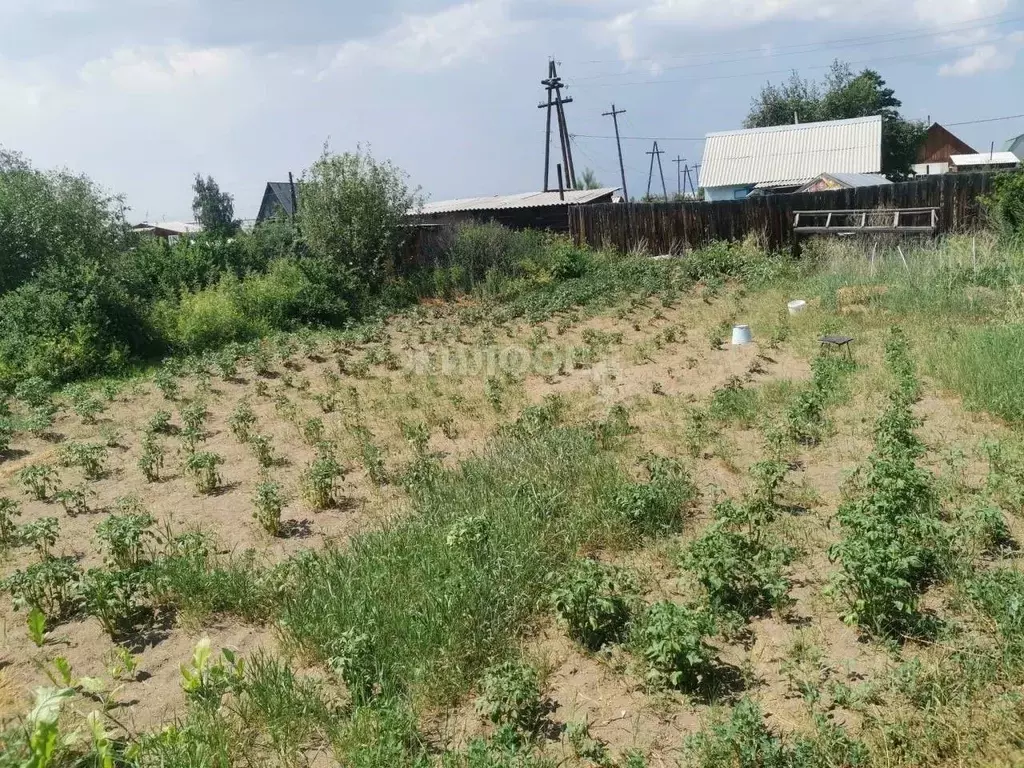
850	180
792	154
985	158
175	227
523	200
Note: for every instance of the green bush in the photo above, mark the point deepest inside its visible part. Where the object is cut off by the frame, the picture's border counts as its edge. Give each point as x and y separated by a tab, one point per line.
1006	203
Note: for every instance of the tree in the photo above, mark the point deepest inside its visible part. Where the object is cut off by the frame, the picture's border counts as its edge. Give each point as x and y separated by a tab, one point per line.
842	95
589	179
213	209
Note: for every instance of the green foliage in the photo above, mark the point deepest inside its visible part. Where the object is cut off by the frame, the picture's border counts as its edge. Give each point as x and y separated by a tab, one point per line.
594	601
269	501
510	695
744	740
40	534
36	621
74	500
741	572
89	457
843	95
205	681
894	542
123	539
52	586
262	448
1000	594
116	598
734	403
242	420
159	423
38	480
656	507
10	510
85	403
670	642
213	210
202	466
151	458
1005	205
318	482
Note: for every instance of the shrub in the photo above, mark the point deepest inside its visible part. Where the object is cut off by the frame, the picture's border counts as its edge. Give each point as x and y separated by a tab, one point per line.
1006	203
353	212
656	507
670	641
594	602
510	695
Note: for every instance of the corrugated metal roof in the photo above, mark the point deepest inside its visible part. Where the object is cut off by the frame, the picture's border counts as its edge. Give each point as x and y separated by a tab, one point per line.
523	200
178	227
985	158
793	154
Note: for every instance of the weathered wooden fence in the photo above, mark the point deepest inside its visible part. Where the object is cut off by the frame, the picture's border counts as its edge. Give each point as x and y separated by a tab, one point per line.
675	227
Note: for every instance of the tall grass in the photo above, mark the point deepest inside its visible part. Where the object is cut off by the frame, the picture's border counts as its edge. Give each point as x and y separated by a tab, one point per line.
432	601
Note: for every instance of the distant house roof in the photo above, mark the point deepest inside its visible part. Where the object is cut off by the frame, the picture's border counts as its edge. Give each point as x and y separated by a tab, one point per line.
522	200
985	158
844	181
1016	145
167	228
786	155
277	199
939	144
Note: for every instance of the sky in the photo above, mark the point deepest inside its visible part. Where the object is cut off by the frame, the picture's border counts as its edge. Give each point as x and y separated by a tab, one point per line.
142	95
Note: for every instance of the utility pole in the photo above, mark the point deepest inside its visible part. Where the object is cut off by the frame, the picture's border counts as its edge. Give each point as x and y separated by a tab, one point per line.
693	188
679	175
614	114
554	86
656	153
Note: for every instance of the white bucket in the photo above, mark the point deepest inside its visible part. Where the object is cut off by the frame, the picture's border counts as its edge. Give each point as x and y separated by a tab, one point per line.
741	335
796	306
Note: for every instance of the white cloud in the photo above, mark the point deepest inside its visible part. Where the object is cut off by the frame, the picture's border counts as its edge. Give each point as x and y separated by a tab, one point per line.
987	57
156	69
430	42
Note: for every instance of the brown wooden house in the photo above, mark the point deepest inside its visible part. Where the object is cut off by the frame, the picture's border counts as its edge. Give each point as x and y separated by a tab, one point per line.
934	154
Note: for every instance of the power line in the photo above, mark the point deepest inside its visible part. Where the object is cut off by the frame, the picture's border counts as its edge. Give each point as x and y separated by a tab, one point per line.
834	42
637	138
919	54
986	120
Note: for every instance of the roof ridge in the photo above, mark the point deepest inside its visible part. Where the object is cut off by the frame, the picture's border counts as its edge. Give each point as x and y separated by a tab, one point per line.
797	126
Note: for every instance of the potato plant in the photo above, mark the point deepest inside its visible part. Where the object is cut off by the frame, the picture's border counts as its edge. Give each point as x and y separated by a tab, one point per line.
123	539
75	501
89	457
159	423
268	501
38	480
318	482
594	602
671	643
202	466
262	448
10	511
151	459
51	585
242	420
40	534
510	696
85	404
115	598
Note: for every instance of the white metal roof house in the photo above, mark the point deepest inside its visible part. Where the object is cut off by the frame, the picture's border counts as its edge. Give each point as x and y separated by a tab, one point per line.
982	161
540	210
783	158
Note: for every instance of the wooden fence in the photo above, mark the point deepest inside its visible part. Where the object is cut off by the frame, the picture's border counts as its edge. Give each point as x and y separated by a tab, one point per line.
675	227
